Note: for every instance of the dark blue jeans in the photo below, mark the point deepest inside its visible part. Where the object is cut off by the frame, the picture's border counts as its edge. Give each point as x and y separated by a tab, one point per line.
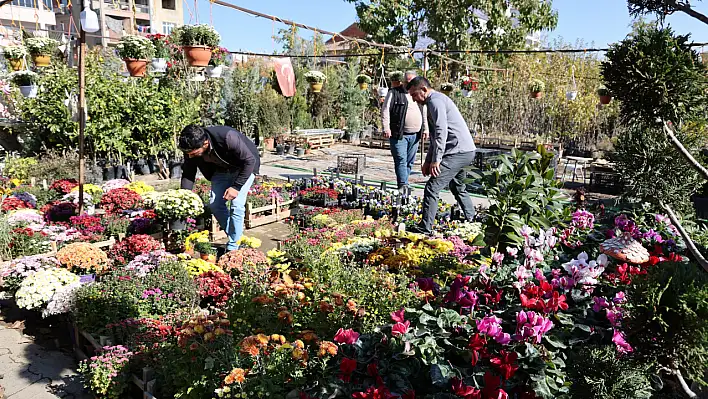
452	175
404	151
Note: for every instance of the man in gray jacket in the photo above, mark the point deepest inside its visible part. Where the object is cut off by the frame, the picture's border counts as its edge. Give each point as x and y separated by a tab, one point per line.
451	150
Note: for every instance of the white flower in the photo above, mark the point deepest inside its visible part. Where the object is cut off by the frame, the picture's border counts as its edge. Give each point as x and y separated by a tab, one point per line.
38	288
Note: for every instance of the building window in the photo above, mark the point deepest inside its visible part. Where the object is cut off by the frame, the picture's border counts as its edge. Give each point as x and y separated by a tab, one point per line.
169	4
167	28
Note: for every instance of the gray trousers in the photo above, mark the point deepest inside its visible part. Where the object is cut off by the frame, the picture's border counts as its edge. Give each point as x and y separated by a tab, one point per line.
452	174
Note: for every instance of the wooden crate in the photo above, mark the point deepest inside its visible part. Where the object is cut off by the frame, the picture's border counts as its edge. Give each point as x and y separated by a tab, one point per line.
258	217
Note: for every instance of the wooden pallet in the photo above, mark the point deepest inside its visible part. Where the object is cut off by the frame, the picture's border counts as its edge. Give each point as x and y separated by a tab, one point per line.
268	214
316	141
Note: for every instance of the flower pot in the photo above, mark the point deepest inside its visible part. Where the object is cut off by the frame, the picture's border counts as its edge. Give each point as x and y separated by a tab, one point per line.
109	173
121	172
41	60
316	87
153	165
300	152
383	91
291	149
17	64
159	65
269	144
364	86
279	149
214	72
177	225
466	93
141	167
308	151
604	100
175	170
29	91
571	95
536	94
197	56
204	256
136	68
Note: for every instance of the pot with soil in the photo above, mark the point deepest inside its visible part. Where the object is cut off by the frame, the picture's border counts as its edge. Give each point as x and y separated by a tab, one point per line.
141	167
300	152
109	172
175	169
279	149
269	143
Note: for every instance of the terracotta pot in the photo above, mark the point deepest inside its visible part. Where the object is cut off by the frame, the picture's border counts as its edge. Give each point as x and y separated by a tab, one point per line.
198	56
604	100
308	151
364	86
316	87
136	68
41	60
17	64
204	256
269	144
536	94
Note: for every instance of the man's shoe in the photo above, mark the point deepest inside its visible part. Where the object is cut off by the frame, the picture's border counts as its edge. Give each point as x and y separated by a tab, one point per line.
220	251
419	230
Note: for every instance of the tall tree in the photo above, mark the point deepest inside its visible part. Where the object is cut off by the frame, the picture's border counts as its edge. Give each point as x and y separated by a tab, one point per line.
664	7
455	24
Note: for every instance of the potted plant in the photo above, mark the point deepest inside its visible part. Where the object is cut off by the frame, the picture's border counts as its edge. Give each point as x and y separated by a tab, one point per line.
41	49
197	42
397	76
536	87
162	52
136	51
604	94
175	206
468	85
26	81
363	81
308	151
300	151
206	251
16	56
315	79
447	88
219	58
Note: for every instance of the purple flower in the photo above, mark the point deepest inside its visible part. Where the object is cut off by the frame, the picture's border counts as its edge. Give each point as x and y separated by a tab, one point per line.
600	303
428	284
498	258
583	219
622	345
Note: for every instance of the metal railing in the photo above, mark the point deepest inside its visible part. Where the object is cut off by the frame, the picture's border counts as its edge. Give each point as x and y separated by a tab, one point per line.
126	6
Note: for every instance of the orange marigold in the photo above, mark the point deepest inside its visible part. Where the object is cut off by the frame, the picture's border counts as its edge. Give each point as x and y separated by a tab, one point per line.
237	375
327	348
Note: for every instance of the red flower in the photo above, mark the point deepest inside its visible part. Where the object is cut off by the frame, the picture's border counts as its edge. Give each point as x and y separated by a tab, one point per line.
374	393
126	250
465	391
347	367
64	186
400	328
120	199
492	388
505	364
348	337
398	317
215	286
555	303
410	394
13	203
478	346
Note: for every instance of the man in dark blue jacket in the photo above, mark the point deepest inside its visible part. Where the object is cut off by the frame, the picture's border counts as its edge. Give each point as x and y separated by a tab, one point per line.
228	159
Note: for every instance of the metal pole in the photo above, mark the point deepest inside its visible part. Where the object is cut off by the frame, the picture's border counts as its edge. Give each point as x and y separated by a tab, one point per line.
82	111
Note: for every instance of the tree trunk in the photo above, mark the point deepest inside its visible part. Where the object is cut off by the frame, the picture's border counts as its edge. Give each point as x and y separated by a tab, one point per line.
690	11
689	243
686	154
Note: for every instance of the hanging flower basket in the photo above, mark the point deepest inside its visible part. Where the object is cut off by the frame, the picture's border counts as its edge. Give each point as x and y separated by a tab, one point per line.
26	81
571	95
29	91
363	81
604	94
316	80
197	56
41	49
364	86
197	42
537	87
17	64
136	68
41	61
159	65
15	56
383	91
447	88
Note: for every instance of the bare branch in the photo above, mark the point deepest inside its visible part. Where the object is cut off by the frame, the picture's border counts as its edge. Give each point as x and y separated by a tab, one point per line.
685	386
686	8
686	238
686	154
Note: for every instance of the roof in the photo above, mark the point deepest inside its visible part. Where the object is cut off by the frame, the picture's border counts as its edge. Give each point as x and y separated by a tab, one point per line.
352	30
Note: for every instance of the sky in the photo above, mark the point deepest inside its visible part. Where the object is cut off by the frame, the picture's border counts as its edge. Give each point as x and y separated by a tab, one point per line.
593	21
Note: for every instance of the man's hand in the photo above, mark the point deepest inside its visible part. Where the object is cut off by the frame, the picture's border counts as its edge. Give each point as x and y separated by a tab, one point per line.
435	169
387	134
425	136
230	194
426	169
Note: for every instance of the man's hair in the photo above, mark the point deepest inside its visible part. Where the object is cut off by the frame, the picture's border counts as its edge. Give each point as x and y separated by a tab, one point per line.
418	81
411	73
192	137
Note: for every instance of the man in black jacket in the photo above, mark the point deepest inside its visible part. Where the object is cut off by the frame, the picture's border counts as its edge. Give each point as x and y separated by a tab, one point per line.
228	159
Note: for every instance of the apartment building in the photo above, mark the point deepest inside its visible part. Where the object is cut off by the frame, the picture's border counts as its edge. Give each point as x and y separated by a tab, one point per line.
124	17
35	16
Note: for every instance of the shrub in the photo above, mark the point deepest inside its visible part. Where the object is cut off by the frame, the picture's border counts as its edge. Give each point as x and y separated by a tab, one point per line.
19	168
41	45
55	165
83	257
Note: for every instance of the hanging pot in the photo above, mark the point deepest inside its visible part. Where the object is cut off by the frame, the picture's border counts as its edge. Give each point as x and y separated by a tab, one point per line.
175	169
300	152
29	91
571	95
604	100
364	86
536	94
17	64
159	65
383	91
136	68
41	60
197	56
316	87
214	72
177	225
